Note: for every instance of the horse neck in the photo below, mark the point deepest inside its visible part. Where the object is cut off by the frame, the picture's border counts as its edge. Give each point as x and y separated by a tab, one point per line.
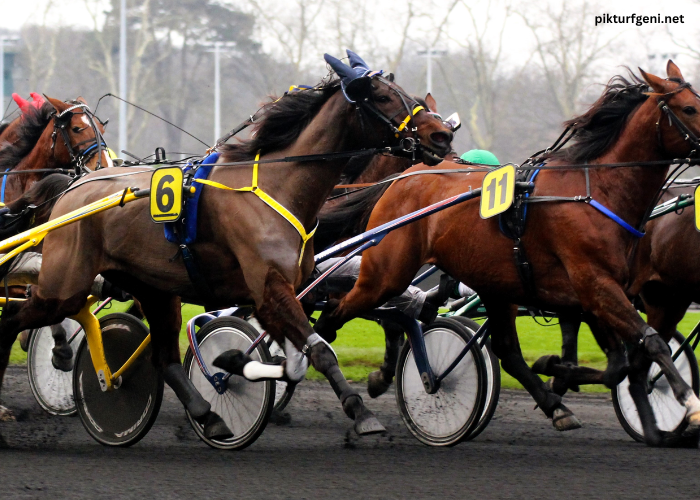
41	157
382	167
629	191
306	185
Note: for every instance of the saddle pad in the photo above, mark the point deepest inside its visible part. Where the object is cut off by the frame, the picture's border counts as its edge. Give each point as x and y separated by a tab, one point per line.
184	231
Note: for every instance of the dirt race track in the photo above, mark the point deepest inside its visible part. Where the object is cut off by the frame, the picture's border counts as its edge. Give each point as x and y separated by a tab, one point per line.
518	456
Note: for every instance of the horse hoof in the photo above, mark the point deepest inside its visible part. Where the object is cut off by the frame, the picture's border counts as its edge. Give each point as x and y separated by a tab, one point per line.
564	420
545	363
376	384
367	424
62	358
216	428
232	361
24	340
6	415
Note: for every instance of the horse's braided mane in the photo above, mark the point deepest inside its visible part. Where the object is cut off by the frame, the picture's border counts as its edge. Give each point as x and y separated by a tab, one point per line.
282	121
32	125
598	128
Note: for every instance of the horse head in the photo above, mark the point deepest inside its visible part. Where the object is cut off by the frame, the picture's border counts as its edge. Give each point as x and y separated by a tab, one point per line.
77	135
678	128
391	113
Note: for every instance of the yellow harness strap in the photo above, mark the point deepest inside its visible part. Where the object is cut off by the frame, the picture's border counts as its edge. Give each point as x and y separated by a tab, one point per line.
408	118
271	202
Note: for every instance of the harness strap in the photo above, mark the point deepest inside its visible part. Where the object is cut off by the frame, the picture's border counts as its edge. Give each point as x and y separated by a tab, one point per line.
269	201
2	189
408	118
605	210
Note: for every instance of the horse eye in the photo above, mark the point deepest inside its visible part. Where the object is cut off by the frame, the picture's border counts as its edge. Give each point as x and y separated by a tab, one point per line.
689	110
382	98
76	130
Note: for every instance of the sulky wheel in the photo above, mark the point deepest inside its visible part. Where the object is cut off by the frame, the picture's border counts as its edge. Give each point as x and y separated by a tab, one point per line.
124	415
245	406
670	415
448	416
52	388
493	378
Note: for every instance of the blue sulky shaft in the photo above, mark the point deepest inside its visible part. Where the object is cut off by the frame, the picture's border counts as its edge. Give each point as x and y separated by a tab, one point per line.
380	231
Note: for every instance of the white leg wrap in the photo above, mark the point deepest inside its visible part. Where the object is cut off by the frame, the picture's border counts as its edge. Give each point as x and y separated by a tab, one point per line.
297	364
255	370
315	338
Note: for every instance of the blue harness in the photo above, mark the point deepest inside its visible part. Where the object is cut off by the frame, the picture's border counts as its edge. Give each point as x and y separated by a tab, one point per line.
588	199
184	231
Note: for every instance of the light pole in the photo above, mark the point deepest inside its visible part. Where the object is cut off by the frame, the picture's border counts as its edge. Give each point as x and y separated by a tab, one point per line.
122	78
217	91
216	48
429	70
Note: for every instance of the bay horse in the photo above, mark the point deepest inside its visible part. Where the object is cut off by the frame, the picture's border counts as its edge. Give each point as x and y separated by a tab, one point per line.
246	251
666	278
55	135
580	258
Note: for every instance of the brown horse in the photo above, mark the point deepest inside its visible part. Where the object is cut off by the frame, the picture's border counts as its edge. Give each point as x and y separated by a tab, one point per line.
58	135
666	277
245	250
579	256
9	130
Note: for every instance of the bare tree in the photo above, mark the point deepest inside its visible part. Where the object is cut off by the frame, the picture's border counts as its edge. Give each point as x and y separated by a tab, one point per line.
568	46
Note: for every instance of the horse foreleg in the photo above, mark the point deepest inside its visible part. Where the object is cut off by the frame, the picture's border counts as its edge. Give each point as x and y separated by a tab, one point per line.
379	381
283	316
163	314
505	344
607	301
569	322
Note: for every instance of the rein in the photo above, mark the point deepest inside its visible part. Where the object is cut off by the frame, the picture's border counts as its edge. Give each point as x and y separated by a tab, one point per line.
78	157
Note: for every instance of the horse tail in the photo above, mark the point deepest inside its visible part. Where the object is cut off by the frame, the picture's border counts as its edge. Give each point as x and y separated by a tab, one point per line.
349	217
34	206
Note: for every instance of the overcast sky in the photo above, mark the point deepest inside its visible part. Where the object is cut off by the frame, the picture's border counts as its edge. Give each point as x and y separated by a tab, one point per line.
638	41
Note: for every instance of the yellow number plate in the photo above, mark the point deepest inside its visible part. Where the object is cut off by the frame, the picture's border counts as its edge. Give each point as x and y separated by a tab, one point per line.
166	194
697	208
497	191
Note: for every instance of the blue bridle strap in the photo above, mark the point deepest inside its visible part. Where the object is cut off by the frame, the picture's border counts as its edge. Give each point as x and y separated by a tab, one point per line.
605	210
2	189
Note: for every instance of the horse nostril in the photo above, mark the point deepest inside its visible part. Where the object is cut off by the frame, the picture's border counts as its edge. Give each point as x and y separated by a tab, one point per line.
441	138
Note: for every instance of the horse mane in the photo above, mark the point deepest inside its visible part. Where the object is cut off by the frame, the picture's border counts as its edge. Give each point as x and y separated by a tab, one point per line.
598	129
347	218
3	126
282	121
31	126
43	194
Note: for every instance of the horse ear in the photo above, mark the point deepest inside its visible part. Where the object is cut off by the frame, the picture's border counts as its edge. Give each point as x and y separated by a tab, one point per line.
430	101
21	103
38	99
656	83
356	62
345	72
673	71
57	104
81	100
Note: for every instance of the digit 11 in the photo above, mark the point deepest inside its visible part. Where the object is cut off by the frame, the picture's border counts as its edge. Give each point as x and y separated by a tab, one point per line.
503	183
491	188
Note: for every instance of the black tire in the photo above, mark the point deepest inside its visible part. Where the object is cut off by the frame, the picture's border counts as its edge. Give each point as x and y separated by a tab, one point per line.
493	379
245	406
670	415
462	393
123	416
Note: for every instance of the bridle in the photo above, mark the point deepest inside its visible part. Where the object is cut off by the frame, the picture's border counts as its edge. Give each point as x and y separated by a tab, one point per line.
406	137
673	119
91	147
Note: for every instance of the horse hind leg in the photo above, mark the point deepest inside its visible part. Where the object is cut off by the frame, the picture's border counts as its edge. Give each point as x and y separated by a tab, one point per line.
380	380
163	314
283	316
505	344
